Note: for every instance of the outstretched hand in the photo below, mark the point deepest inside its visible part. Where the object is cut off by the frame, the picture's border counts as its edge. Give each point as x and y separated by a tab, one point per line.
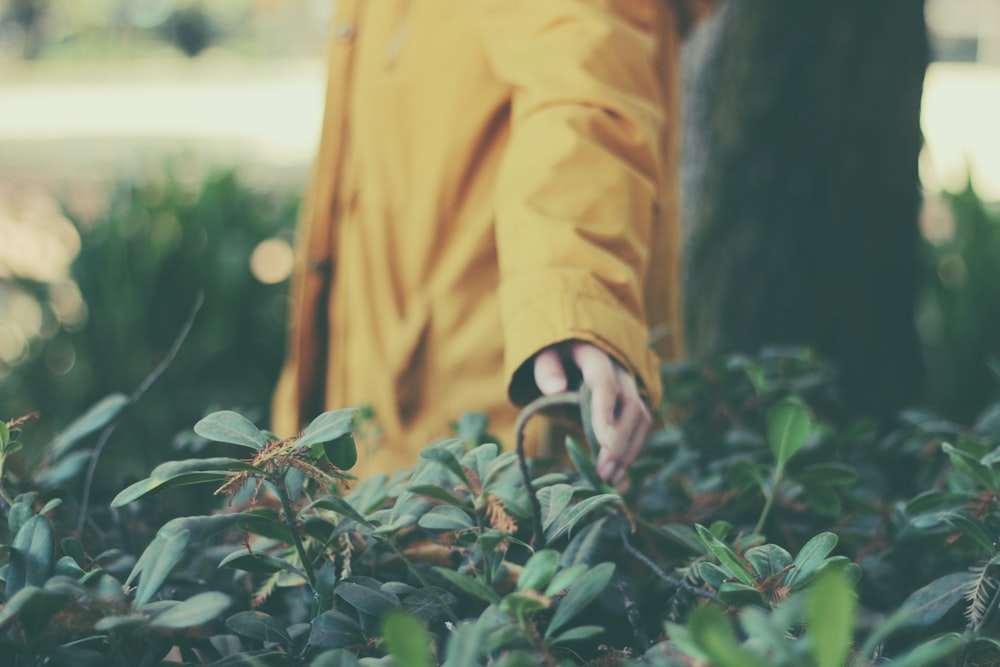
620	417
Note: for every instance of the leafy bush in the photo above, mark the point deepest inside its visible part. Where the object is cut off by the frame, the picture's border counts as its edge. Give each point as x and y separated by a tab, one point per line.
141	266
764	528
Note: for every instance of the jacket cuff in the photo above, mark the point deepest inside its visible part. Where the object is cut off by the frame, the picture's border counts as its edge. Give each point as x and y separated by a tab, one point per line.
555	312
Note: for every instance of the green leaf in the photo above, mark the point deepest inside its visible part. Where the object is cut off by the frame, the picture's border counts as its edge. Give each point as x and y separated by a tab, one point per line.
196	610
768	559
335	629
830	619
714	636
342	452
156	563
465	645
931	652
520	605
258	563
437	493
743	475
473	587
539	570
121	623
931	602
66	468
584	463
327	427
823	499
4	437
407	640
567	520
971	467
553	500
446	517
203	527
578	633
260	626
179	473
98	416
233	428
788	427
32	555
725	555
34	607
735	594
440	455
581	594
565	579
712	574
827	474
809	559
375	603
340	506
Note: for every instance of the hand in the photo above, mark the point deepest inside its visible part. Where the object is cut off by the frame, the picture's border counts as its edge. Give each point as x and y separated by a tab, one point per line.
621	419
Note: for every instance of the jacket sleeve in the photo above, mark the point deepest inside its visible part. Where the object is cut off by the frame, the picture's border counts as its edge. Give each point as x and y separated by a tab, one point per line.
576	188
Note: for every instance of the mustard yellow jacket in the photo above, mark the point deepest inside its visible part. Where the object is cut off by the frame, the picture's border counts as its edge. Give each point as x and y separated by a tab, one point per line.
494	176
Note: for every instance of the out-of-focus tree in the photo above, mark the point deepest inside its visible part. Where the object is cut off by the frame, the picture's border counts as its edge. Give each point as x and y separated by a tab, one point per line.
803	212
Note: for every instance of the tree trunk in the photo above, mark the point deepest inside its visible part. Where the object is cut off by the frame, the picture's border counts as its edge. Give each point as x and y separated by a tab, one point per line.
803	212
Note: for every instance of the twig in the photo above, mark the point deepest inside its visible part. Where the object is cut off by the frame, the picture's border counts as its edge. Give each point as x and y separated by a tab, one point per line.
674	582
133	399
530	410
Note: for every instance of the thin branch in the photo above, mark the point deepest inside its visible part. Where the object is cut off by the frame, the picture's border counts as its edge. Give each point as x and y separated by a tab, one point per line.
673	582
530	410
133	399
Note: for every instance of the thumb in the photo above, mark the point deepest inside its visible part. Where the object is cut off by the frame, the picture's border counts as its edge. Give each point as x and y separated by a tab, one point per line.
550	376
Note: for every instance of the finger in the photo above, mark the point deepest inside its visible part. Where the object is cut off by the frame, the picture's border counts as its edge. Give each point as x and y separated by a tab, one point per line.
550	376
631	428
598	372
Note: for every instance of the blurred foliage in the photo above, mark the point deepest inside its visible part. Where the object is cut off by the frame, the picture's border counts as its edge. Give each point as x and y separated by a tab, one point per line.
139	270
31	29
960	309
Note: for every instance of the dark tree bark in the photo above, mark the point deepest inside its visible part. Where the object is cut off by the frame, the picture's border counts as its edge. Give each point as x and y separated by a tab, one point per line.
803	211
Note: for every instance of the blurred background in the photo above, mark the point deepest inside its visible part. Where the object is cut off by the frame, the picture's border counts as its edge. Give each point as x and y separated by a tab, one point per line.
154	149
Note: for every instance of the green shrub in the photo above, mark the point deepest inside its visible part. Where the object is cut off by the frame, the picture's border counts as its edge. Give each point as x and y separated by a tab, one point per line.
763	528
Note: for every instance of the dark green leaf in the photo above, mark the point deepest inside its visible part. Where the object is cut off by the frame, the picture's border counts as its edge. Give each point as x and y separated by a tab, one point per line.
407	639
326	428
768	559
539	570
822	499
342	452
809	559
735	594
334	629
446	517
156	563
64	469
827	474
196	610
34	607
725	555
971	467
121	623
260	626
553	500
465	645
469	585
584	463
712	574
340	506
441	455
576	634
178	473
437	493
581	594
375	603
32	555
98	416
931	652
931	602
568	519
259	563
233	428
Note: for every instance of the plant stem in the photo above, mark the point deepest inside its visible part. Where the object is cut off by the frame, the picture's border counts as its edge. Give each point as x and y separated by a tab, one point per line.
769	500
293	528
655	569
531	409
423	581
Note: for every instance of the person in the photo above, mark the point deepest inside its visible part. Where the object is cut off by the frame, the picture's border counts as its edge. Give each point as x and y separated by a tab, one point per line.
492	216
